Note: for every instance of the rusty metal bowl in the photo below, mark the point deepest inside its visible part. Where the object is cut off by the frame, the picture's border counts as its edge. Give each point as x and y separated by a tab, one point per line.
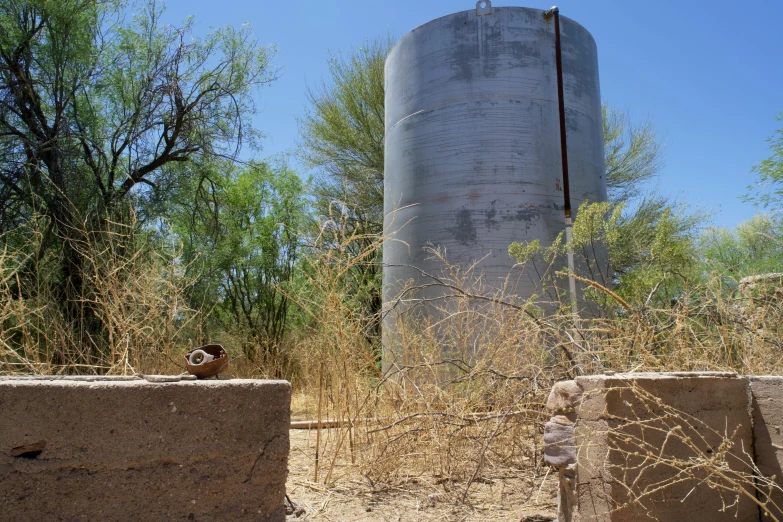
206	361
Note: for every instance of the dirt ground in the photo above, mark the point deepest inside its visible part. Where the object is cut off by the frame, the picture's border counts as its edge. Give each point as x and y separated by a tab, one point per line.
352	499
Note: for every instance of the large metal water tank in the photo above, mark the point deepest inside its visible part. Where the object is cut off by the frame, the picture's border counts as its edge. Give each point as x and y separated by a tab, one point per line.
472	159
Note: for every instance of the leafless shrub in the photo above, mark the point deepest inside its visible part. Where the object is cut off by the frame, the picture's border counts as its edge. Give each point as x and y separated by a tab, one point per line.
461	398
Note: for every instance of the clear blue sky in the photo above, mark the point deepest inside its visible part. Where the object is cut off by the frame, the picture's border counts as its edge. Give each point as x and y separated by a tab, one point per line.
707	74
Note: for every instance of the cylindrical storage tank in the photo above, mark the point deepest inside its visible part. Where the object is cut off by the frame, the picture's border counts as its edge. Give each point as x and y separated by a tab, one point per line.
472	152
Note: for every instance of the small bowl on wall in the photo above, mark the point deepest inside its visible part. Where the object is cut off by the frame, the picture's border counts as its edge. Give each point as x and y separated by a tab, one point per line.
207	361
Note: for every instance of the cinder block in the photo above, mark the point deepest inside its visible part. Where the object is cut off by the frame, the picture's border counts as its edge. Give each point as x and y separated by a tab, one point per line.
136	450
654	447
767	392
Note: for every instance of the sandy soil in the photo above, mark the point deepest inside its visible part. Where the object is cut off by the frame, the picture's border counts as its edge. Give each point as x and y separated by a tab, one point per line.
352	499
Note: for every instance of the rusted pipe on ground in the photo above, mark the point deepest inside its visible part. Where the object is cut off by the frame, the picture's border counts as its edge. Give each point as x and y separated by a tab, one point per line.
312	424
326	423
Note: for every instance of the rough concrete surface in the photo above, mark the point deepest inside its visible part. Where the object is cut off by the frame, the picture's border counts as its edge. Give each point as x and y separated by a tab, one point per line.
767	403
645	442
135	450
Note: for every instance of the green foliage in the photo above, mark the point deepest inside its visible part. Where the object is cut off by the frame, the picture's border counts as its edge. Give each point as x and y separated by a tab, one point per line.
342	136
660	257
593	226
244	247
754	247
524	252
97	112
650	239
769	188
632	155
100	105
661	266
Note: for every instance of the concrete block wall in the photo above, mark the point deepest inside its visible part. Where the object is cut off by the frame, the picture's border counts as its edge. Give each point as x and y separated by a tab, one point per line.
665	446
766	396
105	450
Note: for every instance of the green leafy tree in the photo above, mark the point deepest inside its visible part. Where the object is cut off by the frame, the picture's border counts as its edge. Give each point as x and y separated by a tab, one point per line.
754	247
650	239
633	155
242	244
342	139
342	136
768	190
95	110
660	258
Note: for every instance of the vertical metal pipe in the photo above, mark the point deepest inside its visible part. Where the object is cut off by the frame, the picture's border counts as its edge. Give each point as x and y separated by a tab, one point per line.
561	108
571	280
555	12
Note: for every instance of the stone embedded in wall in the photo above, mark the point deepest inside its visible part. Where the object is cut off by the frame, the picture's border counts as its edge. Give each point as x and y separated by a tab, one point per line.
136	450
559	441
564	397
560	444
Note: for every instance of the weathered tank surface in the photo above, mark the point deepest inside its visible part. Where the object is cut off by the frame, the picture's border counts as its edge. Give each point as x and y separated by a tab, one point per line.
472	152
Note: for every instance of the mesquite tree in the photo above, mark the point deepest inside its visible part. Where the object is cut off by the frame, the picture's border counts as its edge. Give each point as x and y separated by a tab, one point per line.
95	108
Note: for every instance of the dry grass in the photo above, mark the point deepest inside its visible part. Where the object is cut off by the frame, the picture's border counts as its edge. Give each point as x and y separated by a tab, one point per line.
462	401
135	293
501	498
460	406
